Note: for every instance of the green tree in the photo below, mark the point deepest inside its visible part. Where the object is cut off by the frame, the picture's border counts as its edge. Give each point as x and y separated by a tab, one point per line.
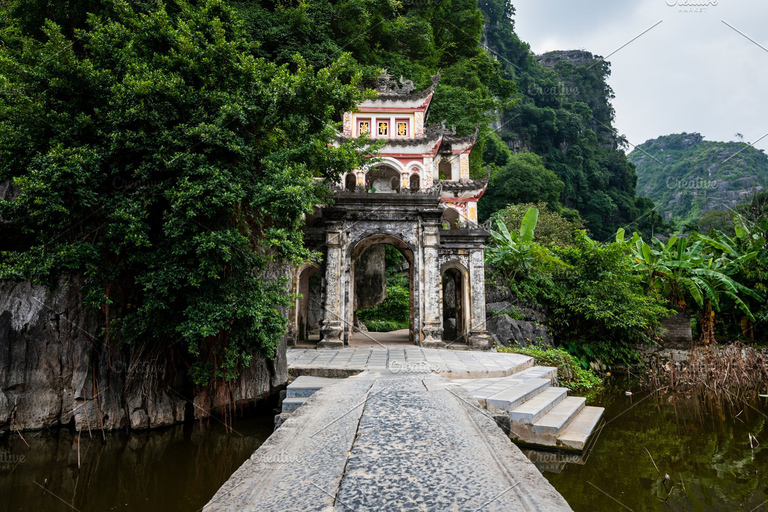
718	220
156	154
524	179
551	226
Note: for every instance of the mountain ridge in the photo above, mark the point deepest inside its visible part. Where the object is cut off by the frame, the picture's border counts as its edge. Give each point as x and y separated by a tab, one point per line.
688	176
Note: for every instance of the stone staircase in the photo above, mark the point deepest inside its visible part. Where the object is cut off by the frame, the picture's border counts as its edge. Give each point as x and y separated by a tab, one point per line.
301	389
540	414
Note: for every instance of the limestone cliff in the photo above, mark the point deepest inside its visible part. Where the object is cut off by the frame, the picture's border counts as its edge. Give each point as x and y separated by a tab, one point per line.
687	176
56	368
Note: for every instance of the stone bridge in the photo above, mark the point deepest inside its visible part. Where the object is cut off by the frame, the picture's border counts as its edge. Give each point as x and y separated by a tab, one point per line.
411	429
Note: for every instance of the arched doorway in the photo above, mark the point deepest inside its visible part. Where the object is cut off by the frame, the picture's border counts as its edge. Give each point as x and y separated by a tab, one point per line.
382	284
455	298
444	169
350	182
308	306
415	183
383	180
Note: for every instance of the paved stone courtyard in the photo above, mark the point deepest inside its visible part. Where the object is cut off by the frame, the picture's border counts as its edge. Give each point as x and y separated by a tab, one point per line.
455	364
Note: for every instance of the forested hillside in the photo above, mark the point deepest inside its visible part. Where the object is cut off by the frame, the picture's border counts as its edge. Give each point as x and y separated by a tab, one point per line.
565	116
560	109
689	177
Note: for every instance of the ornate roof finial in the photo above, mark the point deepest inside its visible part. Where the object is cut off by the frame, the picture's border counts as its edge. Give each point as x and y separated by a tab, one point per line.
407	86
385	83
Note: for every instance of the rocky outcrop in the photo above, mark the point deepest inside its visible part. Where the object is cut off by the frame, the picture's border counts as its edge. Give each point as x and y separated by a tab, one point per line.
57	368
688	176
518	332
511	321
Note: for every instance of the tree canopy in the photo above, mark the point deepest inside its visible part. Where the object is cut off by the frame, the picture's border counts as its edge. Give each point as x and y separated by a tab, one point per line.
155	152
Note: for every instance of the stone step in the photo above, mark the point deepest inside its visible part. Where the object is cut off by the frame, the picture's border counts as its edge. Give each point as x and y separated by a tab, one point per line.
291	404
305	386
517	394
542	372
531	411
559	417
576	434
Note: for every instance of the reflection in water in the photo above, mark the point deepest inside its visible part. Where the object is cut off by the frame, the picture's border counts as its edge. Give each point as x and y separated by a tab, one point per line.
705	452
174	469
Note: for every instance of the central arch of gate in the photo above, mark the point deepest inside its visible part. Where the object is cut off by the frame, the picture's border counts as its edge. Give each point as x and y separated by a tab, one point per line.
437	257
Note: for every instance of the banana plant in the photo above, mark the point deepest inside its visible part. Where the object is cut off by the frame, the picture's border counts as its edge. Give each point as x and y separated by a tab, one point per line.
700	270
513	252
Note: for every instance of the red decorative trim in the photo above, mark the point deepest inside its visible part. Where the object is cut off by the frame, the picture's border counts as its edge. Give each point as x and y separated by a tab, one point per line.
395	110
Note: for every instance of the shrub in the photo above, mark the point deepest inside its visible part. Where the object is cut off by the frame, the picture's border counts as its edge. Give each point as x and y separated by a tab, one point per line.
385	325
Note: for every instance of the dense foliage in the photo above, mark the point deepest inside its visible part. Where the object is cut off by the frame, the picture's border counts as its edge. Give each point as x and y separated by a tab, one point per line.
688	176
413	40
155	153
603	297
522	178
699	269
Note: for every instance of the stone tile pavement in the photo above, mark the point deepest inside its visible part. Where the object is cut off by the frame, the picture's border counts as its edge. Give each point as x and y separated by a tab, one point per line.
455	364
383	441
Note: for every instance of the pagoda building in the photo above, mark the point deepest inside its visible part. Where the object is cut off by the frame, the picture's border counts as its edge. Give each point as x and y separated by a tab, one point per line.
421	156
416	195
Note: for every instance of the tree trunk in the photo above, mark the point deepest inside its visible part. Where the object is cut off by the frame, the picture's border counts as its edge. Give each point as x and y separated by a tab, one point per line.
708	323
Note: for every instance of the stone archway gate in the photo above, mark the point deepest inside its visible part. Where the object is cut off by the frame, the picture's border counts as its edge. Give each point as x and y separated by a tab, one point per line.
411	221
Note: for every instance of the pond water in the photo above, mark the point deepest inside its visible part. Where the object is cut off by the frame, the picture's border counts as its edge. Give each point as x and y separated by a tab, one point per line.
174	469
705	451
180	468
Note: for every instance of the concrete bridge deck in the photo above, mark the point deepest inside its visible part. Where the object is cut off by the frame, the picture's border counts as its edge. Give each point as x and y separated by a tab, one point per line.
387	441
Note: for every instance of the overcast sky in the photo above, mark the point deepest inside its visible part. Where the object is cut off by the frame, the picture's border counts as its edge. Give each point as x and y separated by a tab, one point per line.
691	73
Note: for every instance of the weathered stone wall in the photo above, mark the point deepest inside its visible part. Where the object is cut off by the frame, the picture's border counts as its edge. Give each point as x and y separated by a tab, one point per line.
57	369
677	329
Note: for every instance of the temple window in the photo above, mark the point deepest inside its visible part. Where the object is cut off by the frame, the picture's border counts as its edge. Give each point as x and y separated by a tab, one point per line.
364	127
350	182
383	180
383	128
451	219
445	170
402	129
415	183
